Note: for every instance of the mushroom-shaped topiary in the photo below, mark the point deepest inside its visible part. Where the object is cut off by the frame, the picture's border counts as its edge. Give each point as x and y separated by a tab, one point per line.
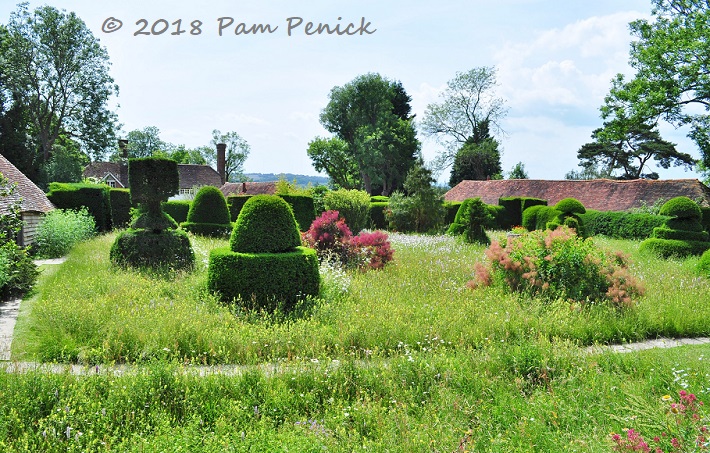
682	234
208	214
265	225
265	265
570	206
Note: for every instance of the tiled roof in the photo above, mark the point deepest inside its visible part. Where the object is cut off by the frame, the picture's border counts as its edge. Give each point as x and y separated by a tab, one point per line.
33	199
248	188
597	194
190	175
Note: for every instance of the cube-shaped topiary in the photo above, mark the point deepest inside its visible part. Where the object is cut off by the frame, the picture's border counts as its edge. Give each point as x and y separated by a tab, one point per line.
265	265
265	225
208	214
152	181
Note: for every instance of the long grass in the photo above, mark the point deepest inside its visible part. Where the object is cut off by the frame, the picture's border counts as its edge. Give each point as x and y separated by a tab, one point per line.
401	360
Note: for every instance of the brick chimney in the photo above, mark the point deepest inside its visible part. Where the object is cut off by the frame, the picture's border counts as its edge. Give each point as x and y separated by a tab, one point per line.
221	158
123	147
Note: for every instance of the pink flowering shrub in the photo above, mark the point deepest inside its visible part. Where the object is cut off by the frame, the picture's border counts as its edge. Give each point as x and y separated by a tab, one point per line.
687	430
332	239
558	264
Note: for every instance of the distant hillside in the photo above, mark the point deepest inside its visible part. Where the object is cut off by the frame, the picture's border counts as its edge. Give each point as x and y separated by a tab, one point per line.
301	180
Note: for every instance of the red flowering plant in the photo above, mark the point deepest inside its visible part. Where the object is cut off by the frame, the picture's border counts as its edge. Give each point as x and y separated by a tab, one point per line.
330	236
558	264
686	429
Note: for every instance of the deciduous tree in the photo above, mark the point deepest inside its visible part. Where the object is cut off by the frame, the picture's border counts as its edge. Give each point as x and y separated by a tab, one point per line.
236	154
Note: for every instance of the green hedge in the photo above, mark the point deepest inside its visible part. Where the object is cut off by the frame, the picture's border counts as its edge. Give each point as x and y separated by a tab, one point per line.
621	225
514	208
706	218
663	232
681	207
120	201
170	248
235	204
215	230
264	280
95	197
667	248
537	217
451	209
684	224
377	215
177	209
265	225
379	199
303	209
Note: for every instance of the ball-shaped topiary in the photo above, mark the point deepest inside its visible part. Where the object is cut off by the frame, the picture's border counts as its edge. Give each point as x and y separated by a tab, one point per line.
265	225
570	206
682	208
208	214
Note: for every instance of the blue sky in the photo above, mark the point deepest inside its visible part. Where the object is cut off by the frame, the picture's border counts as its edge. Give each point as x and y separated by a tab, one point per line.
555	60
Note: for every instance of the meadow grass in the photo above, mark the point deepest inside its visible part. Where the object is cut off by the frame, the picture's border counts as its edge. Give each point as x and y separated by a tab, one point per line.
406	359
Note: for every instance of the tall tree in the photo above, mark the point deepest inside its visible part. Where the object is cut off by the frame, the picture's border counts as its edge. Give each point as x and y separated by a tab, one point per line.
145	142
331	156
372	115
236	154
58	70
518	172
477	161
672	62
468	101
629	147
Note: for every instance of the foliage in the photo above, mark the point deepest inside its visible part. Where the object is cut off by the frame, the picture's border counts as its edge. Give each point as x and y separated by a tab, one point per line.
268	281
681	234
518	172
265	225
353	205
471	219
570	206
478	158
371	115
671	62
303	209
373	249
152	180
235	155
18	271
670	248
145	249
60	230
177	209
235	204
94	197
682	208
704	264
144	143
468	102
629	147
120	201
621	225
378	220
208	214
59	72
66	162
513	208
559	265
421	210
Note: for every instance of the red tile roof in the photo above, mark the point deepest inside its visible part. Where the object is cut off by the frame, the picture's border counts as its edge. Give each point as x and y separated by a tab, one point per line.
33	199
597	194
248	188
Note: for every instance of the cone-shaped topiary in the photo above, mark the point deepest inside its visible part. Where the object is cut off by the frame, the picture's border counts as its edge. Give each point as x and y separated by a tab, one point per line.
265	266
265	225
208	214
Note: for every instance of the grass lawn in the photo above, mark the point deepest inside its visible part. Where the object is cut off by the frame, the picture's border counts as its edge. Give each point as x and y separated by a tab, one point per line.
403	359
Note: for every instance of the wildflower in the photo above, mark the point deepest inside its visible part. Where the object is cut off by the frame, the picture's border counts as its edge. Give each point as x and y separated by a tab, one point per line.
666	397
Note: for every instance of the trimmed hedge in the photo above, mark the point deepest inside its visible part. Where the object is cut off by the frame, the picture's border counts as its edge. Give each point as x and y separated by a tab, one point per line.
514	208
470	222
168	249
663	232
684	224
265	225
303	210
667	248
621	225
379	199
177	209
235	203
451	209
95	197
353	205
537	217
264	280
377	215
704	264
705	222
120	201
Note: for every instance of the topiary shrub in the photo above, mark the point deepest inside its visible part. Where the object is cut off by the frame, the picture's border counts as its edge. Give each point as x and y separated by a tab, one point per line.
353	205
570	209
265	225
470	222
514	208
682	234
539	217
152	240
378	220
208	214
570	206
120	207
235	204
265	265
704	264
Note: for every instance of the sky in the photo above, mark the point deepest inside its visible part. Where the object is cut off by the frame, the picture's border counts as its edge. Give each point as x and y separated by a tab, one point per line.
555	60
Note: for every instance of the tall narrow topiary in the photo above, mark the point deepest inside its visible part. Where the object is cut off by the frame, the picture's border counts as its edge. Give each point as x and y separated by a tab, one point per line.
682	234
208	214
265	265
152	240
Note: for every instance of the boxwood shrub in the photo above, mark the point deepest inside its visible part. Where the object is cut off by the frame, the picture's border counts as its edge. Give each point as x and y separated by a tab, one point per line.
120	201
514	208
265	225
235	204
667	248
680	235
663	232
264	280
377	215
451	209
538	217
95	197
208	214
303	209
168	249
177	209
621	225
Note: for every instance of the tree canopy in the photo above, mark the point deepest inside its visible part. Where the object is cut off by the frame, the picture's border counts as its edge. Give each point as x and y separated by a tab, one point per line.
478	158
371	117
56	70
672	62
236	154
468	101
